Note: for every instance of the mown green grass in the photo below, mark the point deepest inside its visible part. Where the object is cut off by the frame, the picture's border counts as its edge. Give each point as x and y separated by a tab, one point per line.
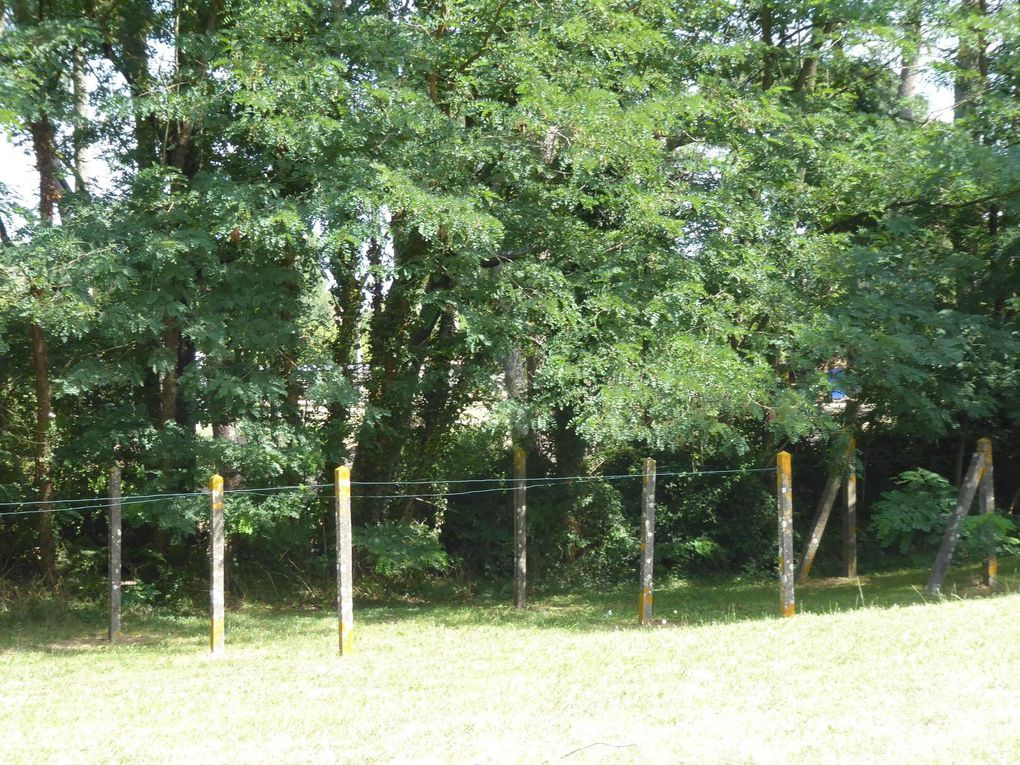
867	672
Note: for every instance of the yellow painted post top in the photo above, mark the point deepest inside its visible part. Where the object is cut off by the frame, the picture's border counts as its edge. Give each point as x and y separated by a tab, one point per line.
984	448
216	487
784	462
984	445
342	481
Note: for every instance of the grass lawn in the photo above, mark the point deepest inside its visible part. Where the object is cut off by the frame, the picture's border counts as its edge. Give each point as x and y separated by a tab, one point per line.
866	673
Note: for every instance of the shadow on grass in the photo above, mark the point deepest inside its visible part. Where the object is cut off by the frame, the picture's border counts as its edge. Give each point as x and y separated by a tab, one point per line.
696	603
55	626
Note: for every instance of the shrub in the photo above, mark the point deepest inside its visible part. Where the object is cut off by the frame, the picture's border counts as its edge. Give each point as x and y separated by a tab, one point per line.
913	519
401	549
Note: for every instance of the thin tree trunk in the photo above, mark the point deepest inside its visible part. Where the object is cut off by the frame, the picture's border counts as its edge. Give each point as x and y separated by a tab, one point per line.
569	451
808	74
910	73
49	197
970	60
769	59
398	338
43	454
168	385
347	300
81	117
515	375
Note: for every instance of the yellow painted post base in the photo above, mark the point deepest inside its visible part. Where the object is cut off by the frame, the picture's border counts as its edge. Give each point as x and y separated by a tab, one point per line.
216	641
645	606
992	573
346	639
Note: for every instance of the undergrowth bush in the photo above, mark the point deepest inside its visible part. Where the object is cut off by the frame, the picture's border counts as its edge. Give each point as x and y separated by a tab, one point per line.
912	520
397	550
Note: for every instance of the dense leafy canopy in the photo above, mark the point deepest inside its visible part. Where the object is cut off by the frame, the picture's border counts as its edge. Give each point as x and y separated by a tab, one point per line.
278	235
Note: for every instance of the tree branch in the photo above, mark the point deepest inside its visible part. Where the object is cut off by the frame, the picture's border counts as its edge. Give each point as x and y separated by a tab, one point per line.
505	257
857	220
5	238
485	39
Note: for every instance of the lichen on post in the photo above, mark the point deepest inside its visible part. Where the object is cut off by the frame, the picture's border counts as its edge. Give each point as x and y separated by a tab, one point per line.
216	556
987	500
115	554
850	515
784	504
520	528
647	542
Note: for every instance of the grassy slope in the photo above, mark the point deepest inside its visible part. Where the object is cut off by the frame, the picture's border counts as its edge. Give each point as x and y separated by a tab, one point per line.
721	682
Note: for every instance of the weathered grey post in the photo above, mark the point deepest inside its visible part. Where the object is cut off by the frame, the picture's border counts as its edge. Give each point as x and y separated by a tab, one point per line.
344	565
949	539
850	515
647	542
987	500
520	527
784	503
216	547
115	553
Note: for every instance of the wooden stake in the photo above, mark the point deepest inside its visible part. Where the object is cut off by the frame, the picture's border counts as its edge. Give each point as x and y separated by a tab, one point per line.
520	528
784	503
822	512
987	500
850	515
963	503
647	542
344	564
216	548
115	554
818	524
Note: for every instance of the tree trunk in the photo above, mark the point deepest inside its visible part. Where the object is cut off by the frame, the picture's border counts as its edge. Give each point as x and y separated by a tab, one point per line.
168	385
769	59
515	376
49	197
910	74
808	74
970	63
81	120
961	455
569	450
43	455
346	291
398	339
232	476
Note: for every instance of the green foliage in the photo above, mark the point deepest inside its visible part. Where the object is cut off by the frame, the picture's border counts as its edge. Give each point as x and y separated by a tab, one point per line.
316	235
712	523
913	518
398	550
989	531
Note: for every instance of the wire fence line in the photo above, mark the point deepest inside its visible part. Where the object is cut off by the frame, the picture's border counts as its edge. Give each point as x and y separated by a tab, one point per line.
103	503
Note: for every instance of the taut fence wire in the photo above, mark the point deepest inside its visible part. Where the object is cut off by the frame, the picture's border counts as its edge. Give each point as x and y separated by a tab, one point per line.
104	503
